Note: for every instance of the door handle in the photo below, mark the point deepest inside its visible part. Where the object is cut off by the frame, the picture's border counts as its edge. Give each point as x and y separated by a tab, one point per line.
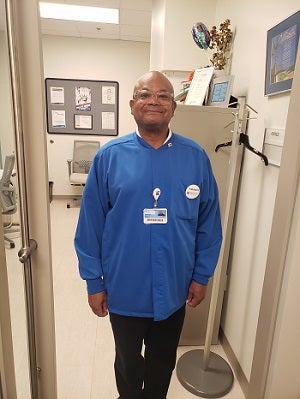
25	253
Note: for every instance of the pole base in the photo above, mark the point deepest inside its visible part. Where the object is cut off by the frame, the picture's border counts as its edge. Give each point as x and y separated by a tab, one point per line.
214	382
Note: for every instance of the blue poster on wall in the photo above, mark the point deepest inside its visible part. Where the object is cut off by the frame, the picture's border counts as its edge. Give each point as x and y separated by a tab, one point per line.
282	45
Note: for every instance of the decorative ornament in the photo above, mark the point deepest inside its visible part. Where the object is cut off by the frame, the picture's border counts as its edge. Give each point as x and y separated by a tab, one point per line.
220	44
218	41
201	35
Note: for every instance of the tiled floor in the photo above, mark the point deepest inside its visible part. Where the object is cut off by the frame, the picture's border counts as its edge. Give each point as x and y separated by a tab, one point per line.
85	348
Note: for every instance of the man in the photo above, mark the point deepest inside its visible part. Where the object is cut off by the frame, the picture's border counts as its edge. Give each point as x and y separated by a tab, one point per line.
148	238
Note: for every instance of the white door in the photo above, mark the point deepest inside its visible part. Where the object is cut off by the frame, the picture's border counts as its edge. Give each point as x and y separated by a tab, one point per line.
27	340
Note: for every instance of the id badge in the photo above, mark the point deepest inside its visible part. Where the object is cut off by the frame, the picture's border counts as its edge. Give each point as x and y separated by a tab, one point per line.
155	216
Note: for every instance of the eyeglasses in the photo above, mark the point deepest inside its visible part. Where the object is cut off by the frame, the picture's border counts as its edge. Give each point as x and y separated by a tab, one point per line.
162	97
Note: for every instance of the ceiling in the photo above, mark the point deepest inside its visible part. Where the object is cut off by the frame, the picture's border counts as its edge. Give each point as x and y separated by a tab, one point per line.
135	21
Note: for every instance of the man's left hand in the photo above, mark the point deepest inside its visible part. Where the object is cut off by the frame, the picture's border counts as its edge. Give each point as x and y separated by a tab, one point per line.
196	294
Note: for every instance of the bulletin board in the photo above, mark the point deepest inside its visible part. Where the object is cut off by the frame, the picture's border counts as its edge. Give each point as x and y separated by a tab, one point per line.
84	107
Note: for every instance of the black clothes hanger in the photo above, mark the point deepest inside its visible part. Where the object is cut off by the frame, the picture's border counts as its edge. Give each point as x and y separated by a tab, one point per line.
227	144
244	139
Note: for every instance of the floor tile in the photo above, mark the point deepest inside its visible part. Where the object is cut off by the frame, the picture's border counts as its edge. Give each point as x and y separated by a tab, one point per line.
85	347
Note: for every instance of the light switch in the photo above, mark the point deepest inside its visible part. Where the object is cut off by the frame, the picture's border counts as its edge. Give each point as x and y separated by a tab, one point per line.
273	144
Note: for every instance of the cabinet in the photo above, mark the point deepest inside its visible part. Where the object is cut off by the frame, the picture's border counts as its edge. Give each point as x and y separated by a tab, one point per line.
209	126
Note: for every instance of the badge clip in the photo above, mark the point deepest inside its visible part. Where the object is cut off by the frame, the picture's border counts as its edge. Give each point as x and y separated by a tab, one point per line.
156	195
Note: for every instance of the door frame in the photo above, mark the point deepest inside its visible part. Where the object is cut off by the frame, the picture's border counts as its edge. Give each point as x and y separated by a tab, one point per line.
31	141
284	209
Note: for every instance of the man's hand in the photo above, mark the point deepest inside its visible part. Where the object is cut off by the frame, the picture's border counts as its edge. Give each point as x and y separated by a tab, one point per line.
196	294
98	303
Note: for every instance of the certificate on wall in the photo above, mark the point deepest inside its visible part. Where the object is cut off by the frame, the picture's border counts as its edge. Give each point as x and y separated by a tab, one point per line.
282	46
108	120
108	95
57	95
83	122
199	86
58	119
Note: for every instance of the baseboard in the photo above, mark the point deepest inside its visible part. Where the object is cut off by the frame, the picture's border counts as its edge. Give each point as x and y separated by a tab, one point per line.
239	374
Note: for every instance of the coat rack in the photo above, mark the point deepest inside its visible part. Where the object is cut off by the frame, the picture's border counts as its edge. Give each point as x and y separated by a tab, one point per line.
244	139
203	372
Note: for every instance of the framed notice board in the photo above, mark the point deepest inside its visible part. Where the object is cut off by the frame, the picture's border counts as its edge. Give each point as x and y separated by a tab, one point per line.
82	107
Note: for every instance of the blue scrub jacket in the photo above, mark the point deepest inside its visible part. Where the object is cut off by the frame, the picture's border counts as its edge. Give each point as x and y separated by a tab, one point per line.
146	269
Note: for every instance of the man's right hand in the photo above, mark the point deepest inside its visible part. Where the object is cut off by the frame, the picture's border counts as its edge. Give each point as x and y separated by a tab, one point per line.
98	303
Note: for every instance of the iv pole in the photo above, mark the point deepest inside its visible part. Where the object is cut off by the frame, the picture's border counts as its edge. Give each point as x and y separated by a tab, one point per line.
202	372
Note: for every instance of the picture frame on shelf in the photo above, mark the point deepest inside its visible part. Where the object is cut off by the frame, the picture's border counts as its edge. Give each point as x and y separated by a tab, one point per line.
199	86
281	53
220	91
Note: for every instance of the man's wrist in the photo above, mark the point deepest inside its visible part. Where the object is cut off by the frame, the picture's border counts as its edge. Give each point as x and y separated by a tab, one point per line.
95	285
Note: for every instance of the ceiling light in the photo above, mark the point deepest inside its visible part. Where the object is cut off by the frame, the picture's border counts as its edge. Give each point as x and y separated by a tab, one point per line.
79	13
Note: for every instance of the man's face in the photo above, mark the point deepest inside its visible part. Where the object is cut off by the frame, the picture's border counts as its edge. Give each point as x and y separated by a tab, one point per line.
152	105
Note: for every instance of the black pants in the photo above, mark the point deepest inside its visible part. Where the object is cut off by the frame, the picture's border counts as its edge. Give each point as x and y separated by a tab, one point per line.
148	376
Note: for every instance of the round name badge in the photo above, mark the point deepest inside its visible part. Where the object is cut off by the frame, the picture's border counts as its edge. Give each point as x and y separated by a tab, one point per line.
192	191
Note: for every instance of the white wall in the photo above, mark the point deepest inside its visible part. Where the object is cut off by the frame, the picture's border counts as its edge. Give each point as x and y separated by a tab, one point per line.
173	50
94	59
172	45
251	21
